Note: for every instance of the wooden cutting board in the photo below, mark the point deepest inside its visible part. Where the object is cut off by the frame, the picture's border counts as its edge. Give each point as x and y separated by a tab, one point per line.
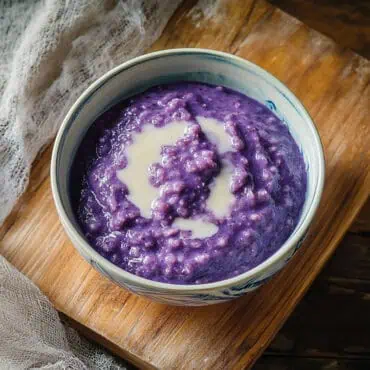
333	83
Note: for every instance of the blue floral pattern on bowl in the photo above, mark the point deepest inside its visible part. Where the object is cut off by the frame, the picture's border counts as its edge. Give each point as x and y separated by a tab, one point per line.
195	299
199	299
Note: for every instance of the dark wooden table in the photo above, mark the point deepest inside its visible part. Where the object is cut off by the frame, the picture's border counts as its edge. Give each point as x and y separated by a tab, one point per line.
345	21
330	328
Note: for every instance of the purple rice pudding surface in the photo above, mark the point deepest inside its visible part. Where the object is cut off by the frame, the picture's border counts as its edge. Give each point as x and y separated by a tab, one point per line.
187	235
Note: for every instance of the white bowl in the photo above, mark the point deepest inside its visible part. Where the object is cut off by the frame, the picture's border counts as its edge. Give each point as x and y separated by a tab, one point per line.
195	65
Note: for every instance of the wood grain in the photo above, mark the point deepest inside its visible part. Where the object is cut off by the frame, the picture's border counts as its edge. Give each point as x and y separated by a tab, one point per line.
331	325
313	328
345	21
333	83
362	222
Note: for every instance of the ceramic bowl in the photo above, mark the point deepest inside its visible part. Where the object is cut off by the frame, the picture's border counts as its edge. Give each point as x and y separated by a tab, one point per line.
200	65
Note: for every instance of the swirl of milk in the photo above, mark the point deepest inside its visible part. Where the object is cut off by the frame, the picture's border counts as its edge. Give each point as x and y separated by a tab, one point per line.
146	149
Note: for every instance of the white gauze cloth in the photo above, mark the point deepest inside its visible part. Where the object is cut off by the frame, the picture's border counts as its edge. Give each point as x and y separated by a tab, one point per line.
50	51
32	335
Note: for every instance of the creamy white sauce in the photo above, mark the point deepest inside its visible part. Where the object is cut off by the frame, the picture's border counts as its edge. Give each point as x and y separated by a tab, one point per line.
146	150
216	133
220	198
199	228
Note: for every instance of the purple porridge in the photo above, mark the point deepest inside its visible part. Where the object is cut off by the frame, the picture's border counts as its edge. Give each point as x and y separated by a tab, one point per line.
223	194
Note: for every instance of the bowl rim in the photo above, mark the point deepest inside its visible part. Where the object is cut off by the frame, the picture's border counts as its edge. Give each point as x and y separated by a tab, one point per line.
289	244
